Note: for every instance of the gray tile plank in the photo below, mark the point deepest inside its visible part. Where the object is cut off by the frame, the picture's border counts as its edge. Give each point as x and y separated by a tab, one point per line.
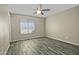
42	46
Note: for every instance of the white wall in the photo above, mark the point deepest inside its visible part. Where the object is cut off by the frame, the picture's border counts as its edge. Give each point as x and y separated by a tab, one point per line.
15	27
4	29
64	26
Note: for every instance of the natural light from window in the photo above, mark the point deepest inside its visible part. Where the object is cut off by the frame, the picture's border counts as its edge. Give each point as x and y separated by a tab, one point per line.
27	26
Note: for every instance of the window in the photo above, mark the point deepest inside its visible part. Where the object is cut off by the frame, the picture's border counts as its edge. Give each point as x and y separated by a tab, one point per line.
27	26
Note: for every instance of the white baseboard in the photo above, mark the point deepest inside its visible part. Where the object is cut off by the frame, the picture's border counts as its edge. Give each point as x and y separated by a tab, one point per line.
6	50
64	41
17	40
23	39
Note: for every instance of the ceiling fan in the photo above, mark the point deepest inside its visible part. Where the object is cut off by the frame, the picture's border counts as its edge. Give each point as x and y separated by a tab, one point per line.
39	10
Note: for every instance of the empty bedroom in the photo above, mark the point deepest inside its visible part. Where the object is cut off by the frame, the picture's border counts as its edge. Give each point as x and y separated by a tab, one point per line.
39	29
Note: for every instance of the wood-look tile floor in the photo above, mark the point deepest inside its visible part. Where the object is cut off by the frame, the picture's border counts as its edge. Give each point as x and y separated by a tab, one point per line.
42	46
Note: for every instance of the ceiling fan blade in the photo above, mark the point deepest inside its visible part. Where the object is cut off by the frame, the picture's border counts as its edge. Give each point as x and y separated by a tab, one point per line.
45	9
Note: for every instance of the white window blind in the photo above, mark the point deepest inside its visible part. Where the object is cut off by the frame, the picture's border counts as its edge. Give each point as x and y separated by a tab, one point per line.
27	26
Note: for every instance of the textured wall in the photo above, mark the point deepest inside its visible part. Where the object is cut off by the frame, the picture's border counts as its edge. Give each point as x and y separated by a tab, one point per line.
15	27
4	29
64	26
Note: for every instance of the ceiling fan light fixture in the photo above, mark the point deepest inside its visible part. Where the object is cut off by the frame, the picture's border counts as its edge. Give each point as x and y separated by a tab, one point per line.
38	11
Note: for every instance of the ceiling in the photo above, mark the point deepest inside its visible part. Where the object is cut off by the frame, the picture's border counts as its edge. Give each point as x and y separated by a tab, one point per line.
29	9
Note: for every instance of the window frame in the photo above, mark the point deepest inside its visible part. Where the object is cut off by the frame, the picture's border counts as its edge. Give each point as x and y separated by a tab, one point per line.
27	21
